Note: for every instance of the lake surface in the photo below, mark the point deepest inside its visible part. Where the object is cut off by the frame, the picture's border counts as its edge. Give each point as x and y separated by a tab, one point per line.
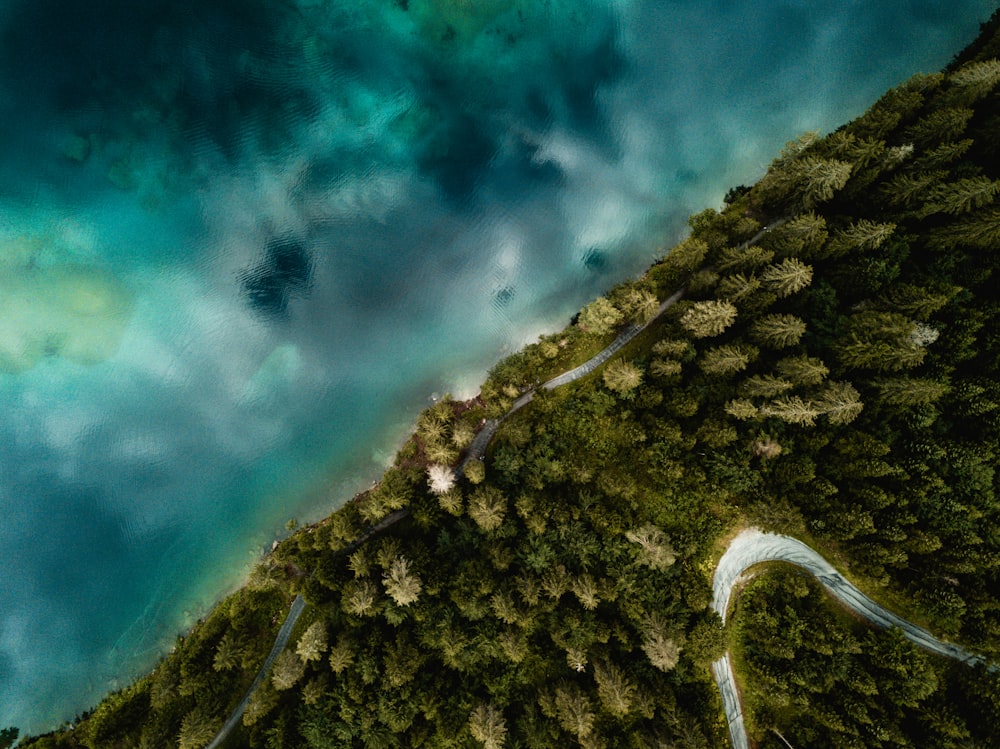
244	242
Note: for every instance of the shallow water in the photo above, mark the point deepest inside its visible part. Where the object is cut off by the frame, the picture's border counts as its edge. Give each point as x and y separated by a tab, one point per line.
242	243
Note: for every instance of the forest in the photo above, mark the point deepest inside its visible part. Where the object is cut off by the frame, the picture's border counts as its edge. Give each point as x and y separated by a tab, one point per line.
836	379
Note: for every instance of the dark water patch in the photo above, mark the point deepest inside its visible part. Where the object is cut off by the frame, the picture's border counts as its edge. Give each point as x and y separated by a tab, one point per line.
595	260
194	66
285	271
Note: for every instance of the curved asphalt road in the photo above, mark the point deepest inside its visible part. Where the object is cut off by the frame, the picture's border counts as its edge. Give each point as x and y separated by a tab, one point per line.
753	547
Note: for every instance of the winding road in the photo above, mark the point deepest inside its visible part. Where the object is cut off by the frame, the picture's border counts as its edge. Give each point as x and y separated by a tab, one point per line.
752	547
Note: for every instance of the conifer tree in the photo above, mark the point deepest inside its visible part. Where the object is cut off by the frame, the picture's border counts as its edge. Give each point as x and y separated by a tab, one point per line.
664	367
655	550
764	386
288	668
228	653
939	126
728	359
401	583
801	235
312	645
662	651
861	236
487	725
803	370
574	711
840	402
961	196
940	156
792	410
777	331
197	729
817	180
744	258
906	190
787	277
614	689
741	409
487	507
359	597
600	317
737	287
709	318
920	302
910	391
974	80
621	376
982	230
341	654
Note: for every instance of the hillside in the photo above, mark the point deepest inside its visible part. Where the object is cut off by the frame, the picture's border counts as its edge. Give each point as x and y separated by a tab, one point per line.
833	377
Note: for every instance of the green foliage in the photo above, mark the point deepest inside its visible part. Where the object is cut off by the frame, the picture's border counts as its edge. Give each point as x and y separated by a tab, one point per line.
600	317
622	377
710	318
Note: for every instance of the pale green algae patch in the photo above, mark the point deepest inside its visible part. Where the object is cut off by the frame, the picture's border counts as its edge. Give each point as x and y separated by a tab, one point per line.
70	310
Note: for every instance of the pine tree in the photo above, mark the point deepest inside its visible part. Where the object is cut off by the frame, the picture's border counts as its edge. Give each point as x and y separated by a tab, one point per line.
655	550
910	391
585	589
744	258
741	409
487	725
709	318
861	236
487	507
228	653
981	230
621	376
818	180
803	370
312	645
737	287
974	80
962	196
661	650
792	410
664	368
639	305
801	235
920	302
401	583
600	317
574	711
940	156
614	689
907	190
440	478
787	277
359	598
197	729
728	359
287	670
840	402
777	331
939	126
764	386
342	654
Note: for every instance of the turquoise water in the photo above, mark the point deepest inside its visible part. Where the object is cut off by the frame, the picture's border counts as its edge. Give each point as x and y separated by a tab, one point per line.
243	242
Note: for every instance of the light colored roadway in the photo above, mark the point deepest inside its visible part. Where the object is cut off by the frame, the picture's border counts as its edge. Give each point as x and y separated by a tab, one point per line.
754	547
